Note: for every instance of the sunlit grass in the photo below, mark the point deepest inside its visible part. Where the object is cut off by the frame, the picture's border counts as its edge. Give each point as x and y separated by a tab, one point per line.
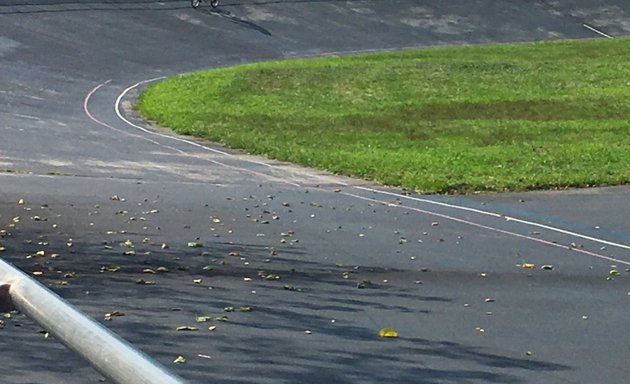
439	120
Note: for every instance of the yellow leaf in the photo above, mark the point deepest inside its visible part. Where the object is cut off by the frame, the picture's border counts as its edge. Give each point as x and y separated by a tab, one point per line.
179	360
388	332
527	265
614	272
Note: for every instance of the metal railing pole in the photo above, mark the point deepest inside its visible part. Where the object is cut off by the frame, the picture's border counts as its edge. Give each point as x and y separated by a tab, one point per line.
109	354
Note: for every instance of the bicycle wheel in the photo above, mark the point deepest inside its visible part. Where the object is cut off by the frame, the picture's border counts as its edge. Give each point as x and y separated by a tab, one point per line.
195	3
214	3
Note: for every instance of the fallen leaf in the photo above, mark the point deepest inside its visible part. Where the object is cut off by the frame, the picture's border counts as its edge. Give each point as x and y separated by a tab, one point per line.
527	265
212	328
193	244
186	328
180	360
202	318
614	272
547	267
245	309
111	315
110	268
388	332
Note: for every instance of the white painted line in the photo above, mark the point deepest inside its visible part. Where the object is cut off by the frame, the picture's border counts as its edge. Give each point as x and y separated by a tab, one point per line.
121	117
446	205
490	228
189	142
597	31
86	109
504	217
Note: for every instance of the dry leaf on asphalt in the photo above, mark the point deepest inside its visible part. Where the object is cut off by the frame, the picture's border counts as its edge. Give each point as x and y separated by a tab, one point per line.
388	333
186	328
110	268
111	315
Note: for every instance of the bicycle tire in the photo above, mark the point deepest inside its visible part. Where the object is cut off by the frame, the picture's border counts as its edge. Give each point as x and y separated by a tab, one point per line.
214	3
195	3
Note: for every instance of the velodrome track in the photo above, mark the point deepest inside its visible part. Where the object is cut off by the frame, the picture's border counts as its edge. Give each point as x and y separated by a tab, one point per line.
443	271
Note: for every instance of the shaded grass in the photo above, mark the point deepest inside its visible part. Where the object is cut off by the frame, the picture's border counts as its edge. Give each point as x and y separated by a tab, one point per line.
439	120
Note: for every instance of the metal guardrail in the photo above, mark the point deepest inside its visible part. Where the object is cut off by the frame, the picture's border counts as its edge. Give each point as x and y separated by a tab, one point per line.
109	354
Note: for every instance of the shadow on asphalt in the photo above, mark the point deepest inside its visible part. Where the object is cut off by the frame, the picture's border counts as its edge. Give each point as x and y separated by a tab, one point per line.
294	294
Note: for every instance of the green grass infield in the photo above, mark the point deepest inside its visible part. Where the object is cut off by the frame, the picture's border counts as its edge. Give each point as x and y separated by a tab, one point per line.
439	120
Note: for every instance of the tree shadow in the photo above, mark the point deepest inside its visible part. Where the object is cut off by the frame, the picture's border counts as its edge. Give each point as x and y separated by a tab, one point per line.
293	293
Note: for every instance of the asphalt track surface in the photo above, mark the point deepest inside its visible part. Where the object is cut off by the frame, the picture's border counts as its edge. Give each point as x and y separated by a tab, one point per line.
291	243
